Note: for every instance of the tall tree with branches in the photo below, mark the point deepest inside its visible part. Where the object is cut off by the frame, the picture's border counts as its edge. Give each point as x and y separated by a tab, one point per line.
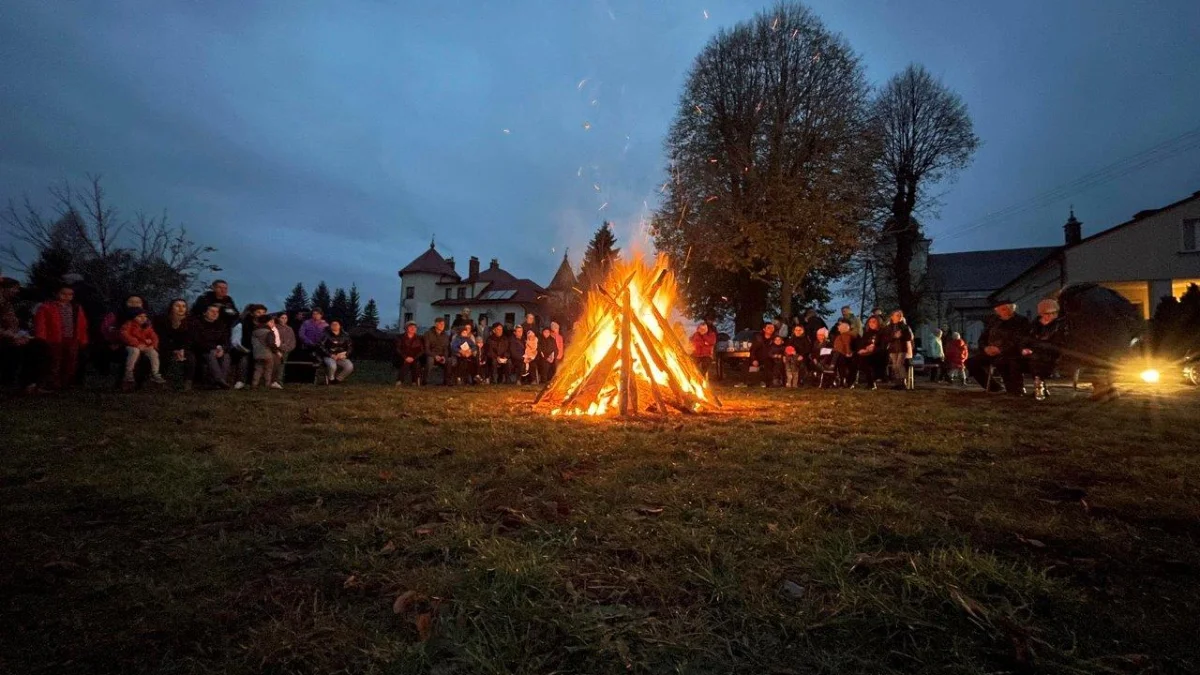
297	301
771	160
601	251
148	256
353	306
926	136
321	298
339	308
370	315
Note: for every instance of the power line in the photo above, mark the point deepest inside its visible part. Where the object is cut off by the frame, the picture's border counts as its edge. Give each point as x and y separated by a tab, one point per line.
1185	142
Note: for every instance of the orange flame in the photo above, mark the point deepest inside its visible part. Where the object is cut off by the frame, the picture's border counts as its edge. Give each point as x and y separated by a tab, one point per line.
663	376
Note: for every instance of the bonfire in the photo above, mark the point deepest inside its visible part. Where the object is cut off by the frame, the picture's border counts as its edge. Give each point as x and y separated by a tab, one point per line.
626	359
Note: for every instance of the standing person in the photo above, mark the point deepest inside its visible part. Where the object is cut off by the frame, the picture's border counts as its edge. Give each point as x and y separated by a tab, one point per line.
410	347
791	367
1047	337
812	322
802	345
140	341
464	350
936	356
463	319
1000	344
14	342
843	346
856	326
547	355
61	326
556	331
210	344
312	331
218	295
437	352
531	325
335	351
496	355
529	356
900	349
956	358
286	337
264	346
174	331
242	341
869	352
760	355
516	355
777	350
704	343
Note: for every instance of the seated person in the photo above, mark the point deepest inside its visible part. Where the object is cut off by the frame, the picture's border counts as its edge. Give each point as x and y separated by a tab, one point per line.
824	359
335	351
210	344
870	354
547	355
466	355
1045	346
140	341
496	355
410	349
1000	345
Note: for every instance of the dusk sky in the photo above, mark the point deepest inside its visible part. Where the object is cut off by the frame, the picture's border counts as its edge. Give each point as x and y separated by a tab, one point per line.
323	140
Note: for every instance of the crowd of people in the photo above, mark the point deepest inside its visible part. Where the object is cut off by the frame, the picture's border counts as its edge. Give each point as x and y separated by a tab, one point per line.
213	344
210	344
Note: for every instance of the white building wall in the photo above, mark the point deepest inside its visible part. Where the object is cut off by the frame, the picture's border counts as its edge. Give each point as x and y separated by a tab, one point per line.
425	292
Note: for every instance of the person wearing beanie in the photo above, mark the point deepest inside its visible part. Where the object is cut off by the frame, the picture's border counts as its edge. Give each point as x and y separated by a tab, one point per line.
1046	339
1004	336
140	340
956	358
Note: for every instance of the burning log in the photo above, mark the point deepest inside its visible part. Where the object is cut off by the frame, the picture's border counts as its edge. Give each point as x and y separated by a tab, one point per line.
628	346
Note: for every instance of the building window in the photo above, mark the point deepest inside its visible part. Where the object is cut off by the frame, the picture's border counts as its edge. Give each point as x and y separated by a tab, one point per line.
409	292
448	291
462	292
407	317
510	318
1191	232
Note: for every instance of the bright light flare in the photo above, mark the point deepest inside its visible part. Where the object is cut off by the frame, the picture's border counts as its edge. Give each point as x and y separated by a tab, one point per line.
1151	376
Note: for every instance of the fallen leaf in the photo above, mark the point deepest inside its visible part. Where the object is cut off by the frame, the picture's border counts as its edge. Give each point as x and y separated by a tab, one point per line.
791	589
388	548
386	475
405	601
424	530
351	581
1032	542
772	527
649	510
424	626
444	452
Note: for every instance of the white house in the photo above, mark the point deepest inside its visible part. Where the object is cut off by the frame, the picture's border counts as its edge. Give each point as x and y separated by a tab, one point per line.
1152	256
430	287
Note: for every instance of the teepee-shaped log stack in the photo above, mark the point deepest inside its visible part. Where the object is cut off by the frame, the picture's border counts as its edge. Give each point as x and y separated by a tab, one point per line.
625	358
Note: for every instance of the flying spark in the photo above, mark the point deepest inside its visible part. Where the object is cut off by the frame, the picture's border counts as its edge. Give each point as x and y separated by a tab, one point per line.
579	87
712	198
587	125
603	206
706	14
506	131
595	101
775	23
579	172
597	186
699	110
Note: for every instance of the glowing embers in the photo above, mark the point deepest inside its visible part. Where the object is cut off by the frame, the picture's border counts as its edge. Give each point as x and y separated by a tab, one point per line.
626	359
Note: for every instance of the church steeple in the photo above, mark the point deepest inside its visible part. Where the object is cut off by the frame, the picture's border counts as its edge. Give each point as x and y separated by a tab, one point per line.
1073	229
564	278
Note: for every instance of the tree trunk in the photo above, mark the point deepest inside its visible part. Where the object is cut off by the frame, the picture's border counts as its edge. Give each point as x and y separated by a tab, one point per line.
787	287
751	302
904	230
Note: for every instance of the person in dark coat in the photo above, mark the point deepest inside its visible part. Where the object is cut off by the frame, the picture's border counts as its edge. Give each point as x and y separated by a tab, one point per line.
437	352
900	349
463	319
547	355
777	351
219	296
410	348
760	355
870	354
466	354
812	322
210	344
516	355
497	351
802	344
1004	337
1046	340
334	351
174	331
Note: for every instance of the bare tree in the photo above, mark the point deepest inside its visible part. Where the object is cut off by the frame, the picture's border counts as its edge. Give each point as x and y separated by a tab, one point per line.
772	157
927	136
149	256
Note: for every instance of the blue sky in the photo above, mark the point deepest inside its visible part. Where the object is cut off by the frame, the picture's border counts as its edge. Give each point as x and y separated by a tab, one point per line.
321	140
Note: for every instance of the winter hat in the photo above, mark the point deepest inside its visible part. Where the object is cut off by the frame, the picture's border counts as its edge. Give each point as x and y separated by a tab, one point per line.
790	351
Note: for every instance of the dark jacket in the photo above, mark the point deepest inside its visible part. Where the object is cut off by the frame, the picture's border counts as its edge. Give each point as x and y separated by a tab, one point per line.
208	335
335	344
1046	340
229	310
760	348
173	339
287	338
899	338
827	360
870	337
812	325
776	351
516	347
547	348
437	344
409	347
496	347
1010	336
801	344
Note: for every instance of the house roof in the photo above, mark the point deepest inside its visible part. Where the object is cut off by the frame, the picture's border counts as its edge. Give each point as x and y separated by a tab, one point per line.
564	278
429	262
501	292
983	270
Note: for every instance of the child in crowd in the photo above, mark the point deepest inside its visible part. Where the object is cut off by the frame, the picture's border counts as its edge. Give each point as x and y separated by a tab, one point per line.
140	340
530	356
265	350
547	355
791	366
776	352
956	358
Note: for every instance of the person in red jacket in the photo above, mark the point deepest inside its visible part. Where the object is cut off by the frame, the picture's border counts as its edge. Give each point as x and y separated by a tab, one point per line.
62	327
956	358
704	342
140	340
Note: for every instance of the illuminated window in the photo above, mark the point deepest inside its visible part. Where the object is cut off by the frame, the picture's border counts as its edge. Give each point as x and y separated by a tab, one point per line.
1180	286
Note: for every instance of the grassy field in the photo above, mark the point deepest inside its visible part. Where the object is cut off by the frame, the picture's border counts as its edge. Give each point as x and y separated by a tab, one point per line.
367	529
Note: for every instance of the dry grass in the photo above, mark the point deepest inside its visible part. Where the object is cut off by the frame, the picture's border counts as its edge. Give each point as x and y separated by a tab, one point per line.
813	532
